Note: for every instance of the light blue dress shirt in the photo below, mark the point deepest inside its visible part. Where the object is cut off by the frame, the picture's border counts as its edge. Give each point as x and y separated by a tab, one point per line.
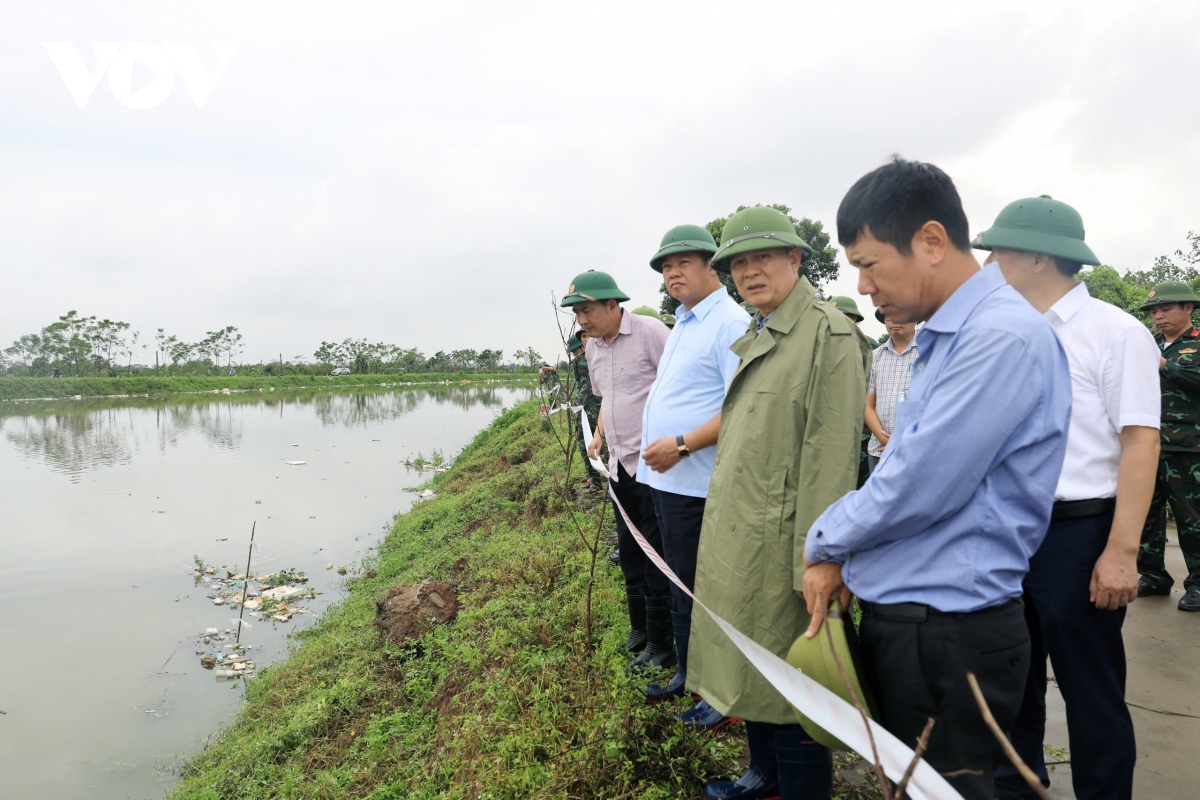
962	496
694	373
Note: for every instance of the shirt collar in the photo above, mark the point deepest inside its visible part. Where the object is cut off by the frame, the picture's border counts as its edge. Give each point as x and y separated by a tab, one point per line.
1069	304
958	307
625	328
891	345
702	308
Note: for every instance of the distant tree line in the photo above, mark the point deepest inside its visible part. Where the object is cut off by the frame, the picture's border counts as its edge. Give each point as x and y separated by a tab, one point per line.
78	346
1130	290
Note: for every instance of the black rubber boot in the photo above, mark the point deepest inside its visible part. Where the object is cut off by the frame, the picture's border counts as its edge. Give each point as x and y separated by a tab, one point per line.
657	693
635	598
660	638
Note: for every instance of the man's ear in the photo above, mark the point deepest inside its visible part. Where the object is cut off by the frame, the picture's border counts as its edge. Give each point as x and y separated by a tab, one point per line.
933	241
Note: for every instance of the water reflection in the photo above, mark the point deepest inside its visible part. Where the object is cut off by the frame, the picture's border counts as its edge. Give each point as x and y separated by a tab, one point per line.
77	437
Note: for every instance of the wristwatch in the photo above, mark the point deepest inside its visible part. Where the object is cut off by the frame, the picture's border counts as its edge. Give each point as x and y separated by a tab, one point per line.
683	448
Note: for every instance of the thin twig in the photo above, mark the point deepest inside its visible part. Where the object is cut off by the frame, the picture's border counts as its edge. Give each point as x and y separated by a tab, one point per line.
1030	777
1162	711
922	743
884	785
958	773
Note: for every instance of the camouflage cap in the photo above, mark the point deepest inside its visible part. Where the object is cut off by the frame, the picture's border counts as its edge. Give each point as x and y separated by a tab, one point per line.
1170	292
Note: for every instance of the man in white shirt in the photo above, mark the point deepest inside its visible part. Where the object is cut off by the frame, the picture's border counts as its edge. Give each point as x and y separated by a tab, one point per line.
1085	572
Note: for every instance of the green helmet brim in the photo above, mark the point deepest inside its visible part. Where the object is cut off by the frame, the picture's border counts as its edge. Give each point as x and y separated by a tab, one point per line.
686	246
575	298
769	240
814	657
1052	244
1151	302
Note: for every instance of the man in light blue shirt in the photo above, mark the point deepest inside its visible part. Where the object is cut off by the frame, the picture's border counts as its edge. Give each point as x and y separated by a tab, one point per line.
937	542
680	423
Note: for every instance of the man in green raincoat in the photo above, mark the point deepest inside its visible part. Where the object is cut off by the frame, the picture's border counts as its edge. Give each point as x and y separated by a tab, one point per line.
787	447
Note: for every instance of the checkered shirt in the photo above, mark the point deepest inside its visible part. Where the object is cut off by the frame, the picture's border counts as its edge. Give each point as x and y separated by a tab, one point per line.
891	373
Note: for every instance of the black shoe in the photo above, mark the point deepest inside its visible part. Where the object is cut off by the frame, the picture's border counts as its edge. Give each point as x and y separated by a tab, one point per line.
703	717
1148	585
657	693
751	786
614	558
636	602
660	638
1190	602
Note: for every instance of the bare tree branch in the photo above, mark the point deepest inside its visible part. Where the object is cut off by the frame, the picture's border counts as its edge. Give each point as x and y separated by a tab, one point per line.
1030	777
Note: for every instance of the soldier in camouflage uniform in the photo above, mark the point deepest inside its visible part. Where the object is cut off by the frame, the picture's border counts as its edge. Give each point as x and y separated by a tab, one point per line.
1178	485
581	396
847	306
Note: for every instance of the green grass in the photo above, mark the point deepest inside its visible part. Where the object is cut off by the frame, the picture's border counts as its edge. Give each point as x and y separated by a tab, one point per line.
505	702
18	388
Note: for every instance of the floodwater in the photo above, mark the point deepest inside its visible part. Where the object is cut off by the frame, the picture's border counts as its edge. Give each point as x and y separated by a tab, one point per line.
103	506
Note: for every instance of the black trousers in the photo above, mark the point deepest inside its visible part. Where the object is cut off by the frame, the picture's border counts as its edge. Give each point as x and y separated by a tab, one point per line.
639	571
1088	655
788	756
918	670
679	520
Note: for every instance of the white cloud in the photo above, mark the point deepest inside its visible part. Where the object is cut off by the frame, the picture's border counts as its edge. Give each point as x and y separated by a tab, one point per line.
428	174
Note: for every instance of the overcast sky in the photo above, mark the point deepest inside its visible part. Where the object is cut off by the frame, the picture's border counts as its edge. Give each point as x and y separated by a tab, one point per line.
428	174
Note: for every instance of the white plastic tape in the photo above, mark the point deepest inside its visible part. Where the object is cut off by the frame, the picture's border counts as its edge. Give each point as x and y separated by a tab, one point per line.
821	705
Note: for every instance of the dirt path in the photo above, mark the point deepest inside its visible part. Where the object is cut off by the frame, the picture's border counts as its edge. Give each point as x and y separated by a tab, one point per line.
1162	645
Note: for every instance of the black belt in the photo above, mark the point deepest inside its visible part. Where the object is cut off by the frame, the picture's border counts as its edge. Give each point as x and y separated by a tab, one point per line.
919	612
1077	509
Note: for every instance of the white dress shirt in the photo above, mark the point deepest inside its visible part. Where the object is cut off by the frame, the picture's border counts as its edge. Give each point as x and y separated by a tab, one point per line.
1114	383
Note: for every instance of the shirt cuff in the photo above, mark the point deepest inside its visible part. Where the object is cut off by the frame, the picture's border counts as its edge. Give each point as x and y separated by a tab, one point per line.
815	552
1142	420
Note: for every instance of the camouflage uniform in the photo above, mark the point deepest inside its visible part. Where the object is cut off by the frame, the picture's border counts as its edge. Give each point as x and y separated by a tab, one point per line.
552	386
582	396
1178	483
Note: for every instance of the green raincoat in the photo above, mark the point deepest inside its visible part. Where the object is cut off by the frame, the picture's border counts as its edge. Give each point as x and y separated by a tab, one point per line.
787	448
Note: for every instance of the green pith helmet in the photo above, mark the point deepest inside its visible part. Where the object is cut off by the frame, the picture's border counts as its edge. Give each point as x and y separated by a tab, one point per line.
814	657
847	306
593	285
757	228
668	320
1039	225
1170	292
683	239
573	344
646	311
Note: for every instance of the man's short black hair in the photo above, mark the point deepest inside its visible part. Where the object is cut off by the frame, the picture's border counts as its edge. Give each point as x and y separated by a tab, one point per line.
1068	268
894	201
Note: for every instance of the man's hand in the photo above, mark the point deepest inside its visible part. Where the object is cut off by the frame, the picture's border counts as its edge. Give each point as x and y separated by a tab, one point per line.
822	582
1162	363
662	454
594	447
884	439
1114	579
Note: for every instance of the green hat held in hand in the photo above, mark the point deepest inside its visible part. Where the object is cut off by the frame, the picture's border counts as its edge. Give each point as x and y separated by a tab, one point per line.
847	306
683	239
1170	292
590	286
1039	225
814	657
758	228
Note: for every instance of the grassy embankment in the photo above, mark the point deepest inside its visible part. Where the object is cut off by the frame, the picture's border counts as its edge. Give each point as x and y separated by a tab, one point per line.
502	703
505	702
16	388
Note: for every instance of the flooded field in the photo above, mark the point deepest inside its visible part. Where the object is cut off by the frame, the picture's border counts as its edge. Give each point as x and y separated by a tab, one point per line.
105	507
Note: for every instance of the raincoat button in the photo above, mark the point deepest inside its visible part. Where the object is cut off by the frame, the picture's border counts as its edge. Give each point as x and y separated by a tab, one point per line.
732	526
738	468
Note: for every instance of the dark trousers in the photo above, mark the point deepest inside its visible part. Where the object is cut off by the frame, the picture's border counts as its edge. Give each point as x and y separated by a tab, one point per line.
918	669
639	571
786	754
1177	485
1088	655
679	519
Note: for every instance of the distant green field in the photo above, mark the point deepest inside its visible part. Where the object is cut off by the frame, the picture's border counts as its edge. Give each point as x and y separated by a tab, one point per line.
17	388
